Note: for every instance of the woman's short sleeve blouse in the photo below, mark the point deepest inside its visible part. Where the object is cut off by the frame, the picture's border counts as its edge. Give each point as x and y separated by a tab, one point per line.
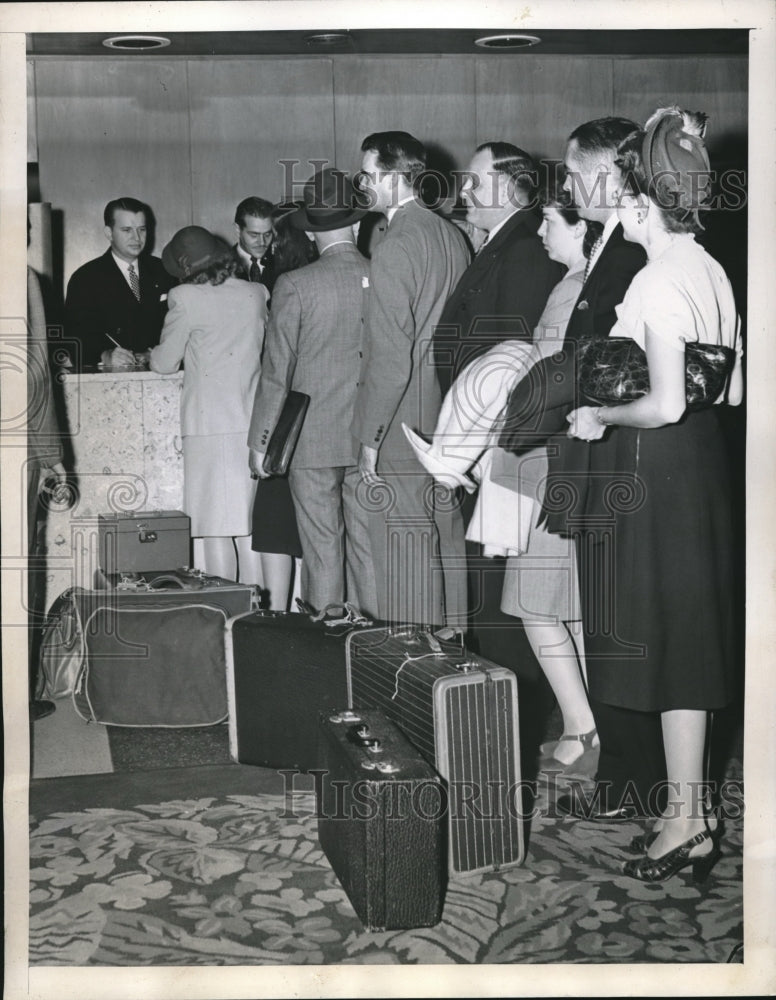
683	296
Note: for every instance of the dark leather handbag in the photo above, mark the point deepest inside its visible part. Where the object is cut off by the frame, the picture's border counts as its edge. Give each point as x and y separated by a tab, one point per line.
613	370
286	433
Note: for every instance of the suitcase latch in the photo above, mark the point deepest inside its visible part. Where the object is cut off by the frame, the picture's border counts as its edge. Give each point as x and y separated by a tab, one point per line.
144	535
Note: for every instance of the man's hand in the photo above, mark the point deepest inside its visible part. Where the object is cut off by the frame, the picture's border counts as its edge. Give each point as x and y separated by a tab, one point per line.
119	357
367	465
256	464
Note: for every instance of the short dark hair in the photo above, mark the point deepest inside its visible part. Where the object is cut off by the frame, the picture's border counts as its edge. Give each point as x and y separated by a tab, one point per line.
564	205
399	152
602	135
259	208
124	205
513	162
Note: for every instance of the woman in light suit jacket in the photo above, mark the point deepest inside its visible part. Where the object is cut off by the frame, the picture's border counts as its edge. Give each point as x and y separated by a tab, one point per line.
215	326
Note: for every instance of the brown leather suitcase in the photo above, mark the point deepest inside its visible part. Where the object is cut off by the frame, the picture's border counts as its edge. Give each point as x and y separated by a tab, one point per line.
380	821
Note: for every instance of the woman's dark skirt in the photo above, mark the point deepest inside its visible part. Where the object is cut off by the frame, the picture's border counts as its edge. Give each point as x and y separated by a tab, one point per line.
656	568
274	519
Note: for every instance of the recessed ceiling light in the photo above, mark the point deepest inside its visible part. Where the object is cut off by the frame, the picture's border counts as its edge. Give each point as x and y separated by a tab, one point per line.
507	41
325	38
136	43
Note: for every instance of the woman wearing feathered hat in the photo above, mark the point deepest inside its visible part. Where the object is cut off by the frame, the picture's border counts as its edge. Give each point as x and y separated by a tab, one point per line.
215	326
669	589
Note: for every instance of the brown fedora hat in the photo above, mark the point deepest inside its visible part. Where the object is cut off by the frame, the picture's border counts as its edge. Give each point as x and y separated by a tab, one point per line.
329	202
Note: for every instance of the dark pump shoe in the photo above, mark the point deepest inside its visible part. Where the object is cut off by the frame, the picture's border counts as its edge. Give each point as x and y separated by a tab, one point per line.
577	807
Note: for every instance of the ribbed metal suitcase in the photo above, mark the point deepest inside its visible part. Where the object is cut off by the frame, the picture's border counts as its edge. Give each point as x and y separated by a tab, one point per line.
380	821
460	711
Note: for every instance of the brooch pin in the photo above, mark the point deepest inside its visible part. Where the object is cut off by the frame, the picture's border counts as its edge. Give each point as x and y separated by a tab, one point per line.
583	305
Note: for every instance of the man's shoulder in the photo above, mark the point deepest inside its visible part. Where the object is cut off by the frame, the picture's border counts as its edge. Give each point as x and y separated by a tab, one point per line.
93	266
520	233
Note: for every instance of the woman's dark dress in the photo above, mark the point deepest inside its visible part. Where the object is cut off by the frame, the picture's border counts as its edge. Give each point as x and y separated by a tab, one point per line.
656	553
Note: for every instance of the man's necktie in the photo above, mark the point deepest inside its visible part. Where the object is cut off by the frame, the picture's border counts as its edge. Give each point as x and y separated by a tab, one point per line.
134	281
254	274
481	247
592	256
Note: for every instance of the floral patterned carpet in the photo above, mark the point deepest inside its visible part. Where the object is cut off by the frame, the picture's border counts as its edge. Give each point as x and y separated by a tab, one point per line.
226	878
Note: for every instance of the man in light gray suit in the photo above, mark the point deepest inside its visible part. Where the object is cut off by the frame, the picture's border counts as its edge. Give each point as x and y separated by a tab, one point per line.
414	269
314	345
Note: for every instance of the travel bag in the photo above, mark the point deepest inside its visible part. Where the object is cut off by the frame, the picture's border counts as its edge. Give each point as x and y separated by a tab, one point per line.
155	656
380	821
283	668
460	712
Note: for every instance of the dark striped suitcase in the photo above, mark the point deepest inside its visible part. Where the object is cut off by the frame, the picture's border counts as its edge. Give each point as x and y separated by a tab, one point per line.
460	711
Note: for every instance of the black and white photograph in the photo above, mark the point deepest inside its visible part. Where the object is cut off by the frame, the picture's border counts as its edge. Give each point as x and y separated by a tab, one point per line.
387	486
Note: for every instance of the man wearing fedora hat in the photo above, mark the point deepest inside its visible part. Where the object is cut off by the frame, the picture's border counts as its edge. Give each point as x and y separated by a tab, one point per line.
314	345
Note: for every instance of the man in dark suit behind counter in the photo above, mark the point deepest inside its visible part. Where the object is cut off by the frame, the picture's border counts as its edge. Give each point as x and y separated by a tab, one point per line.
253	249
115	304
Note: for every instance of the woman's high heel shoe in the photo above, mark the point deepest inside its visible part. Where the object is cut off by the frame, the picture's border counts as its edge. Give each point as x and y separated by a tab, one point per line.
587	762
642	843
648	869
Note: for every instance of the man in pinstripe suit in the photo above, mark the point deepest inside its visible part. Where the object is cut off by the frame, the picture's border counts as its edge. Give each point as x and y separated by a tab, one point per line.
414	269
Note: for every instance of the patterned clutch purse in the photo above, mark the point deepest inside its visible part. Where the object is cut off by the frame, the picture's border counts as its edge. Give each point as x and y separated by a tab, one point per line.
612	370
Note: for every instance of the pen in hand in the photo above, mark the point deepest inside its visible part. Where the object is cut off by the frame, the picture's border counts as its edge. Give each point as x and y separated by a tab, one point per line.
124	359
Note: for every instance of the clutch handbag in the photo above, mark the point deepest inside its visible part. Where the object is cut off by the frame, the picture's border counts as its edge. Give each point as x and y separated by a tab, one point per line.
612	370
286	433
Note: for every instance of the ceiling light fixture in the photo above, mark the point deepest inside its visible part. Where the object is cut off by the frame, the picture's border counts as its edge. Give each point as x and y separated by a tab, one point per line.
136	43
328	38
507	41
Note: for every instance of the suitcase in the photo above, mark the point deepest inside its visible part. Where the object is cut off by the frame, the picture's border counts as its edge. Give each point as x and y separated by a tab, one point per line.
153	666
170	586
156	657
282	669
460	712
137	541
380	821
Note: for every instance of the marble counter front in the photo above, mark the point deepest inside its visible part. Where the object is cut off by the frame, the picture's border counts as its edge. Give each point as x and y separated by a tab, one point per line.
124	434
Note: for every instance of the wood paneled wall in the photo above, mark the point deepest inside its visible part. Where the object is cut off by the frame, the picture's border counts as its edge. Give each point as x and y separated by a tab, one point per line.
192	137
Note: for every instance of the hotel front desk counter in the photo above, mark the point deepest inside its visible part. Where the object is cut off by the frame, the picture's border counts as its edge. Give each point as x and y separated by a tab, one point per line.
124	434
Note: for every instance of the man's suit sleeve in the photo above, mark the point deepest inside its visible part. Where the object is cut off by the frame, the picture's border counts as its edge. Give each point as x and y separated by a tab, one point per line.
388	343
281	348
166	357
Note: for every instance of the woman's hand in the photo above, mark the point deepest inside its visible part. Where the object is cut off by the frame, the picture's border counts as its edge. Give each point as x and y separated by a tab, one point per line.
256	464
584	424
